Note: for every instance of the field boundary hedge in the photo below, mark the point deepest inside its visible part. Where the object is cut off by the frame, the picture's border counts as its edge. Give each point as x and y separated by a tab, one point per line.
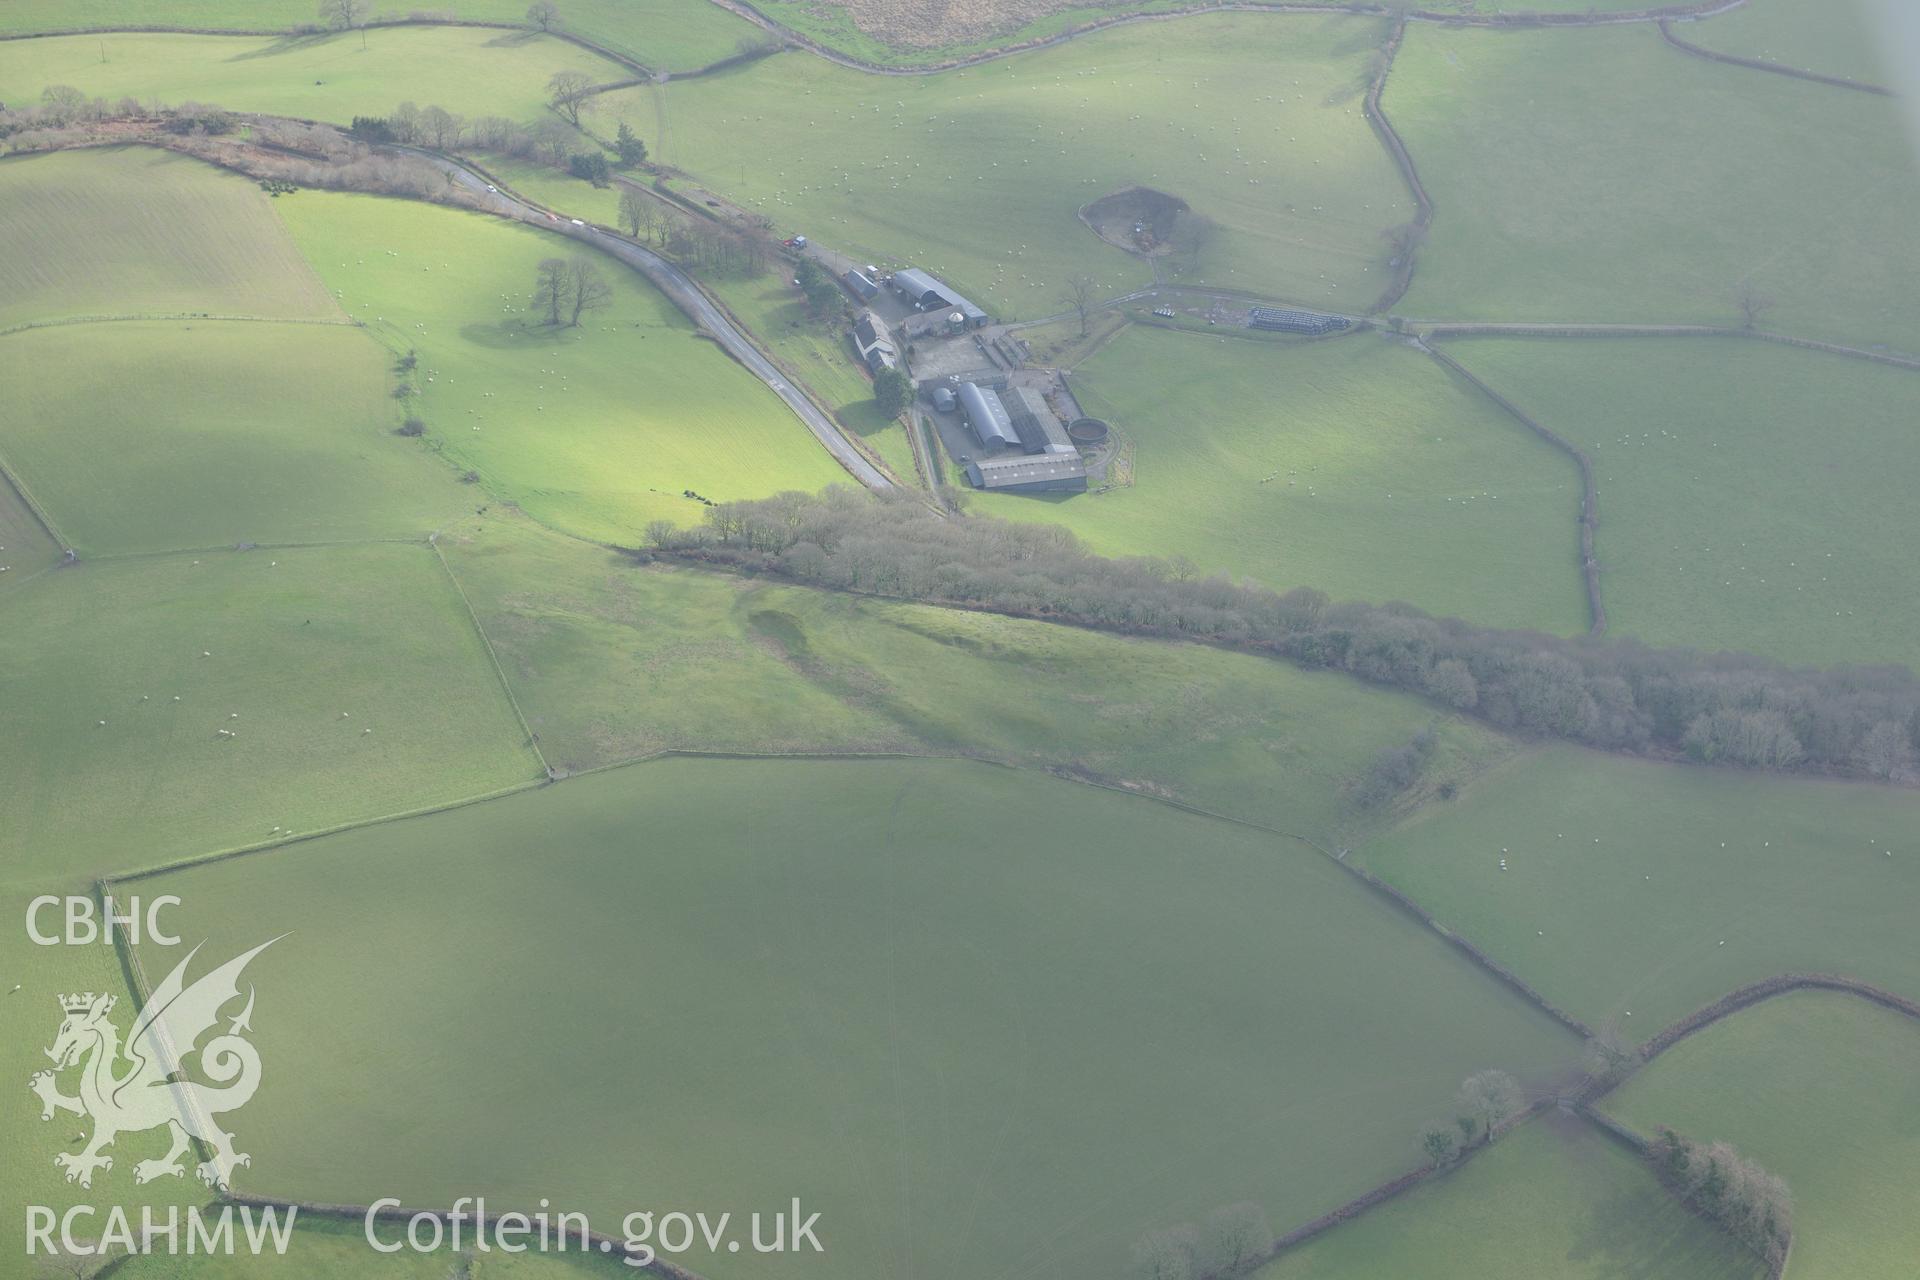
248	850
1436	332
1589	487
1700	1019
306	32
1402	279
1641	1146
28	326
493	658
1759	64
800	40
599	1242
1766	989
38	512
1395	897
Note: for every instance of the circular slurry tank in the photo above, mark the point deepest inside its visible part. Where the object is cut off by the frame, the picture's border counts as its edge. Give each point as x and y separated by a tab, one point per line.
1087	431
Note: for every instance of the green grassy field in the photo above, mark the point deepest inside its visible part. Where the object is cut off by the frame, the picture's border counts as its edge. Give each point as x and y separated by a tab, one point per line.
180	434
25	547
1824	36
676	35
1819	1088
331	1249
29	1020
612	661
834	26
1651	890
1752	497
978	175
1599	175
941	1002
293	639
327	77
1357	466
596	429
1556	1197
136	231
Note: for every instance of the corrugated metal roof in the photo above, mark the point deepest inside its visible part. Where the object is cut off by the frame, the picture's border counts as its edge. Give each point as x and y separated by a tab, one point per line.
1040	431
917	285
986	415
1021	470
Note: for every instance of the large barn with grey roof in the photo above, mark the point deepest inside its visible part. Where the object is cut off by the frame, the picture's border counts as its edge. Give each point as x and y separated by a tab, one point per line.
928	294
1027	446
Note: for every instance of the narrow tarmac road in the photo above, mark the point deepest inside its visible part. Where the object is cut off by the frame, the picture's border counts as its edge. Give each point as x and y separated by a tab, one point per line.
687	296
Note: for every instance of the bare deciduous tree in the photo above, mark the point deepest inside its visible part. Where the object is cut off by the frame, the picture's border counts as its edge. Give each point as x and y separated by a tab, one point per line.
633	212
566	90
550	289
1079	295
73	1266
1753	304
439	128
1171	1253
543	14
1887	753
1236	1235
63	101
588	289
345	15
1488	1097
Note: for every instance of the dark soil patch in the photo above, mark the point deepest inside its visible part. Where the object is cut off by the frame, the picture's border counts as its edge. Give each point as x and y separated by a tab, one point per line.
1137	219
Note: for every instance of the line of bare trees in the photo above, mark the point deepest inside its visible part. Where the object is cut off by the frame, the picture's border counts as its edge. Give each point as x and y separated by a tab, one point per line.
1754	1206
1617	695
1486	1100
739	249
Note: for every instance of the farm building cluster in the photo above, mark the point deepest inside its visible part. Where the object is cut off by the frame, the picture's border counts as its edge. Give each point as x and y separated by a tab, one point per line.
1026	445
1005	437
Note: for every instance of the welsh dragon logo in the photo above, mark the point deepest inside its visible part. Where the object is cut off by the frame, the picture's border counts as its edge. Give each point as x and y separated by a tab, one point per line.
145	1095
